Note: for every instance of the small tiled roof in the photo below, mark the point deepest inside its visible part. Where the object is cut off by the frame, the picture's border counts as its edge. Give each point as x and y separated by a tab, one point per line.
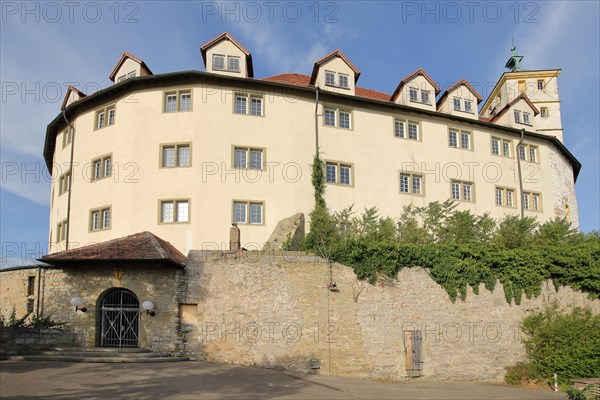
304	81
522	96
404	81
69	90
139	247
227	36
457	84
124	57
335	53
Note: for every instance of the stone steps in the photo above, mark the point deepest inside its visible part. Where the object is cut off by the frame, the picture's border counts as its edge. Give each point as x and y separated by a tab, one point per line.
94	355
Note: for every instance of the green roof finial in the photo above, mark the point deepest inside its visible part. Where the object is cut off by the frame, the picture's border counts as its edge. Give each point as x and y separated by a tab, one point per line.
514	61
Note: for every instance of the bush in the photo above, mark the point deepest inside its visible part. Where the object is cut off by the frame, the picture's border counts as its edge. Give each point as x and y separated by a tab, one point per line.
565	343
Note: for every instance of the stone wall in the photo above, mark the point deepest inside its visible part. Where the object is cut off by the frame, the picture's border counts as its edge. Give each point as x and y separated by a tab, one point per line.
13	290
278	312
275	310
563	188
14	339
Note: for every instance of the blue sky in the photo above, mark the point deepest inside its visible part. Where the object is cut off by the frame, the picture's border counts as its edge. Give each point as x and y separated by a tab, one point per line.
45	46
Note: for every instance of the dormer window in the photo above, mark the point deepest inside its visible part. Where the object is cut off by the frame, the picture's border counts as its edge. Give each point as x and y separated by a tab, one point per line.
526	118
456	104
412	94
233	64
122	78
131	74
343	81
218	62
424	96
518	116
468	106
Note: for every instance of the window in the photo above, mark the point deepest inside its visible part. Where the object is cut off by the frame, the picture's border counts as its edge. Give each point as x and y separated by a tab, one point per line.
105	117
248	158
399	128
454	135
501	147
532	201
521	86
180	100
456	104
544	112
241	104
67	137
526	118
453	138
343	80
517	116
64	183
405	129
175	155
411	183
122	78
31	286
540	84
468	106
174	211
528	152
248	212
101	167
338	118
233	64
339	173
100	219
218	62
412	93
462	190
424	96
131	74
61	231
505	197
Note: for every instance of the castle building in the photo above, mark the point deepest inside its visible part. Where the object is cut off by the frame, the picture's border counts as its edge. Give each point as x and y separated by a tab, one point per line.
185	154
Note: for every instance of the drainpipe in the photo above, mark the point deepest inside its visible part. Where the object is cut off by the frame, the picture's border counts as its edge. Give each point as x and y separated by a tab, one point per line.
72	128
519	174
317	119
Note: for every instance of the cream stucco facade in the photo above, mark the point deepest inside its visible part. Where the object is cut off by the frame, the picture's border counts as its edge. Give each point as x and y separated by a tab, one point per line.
198	121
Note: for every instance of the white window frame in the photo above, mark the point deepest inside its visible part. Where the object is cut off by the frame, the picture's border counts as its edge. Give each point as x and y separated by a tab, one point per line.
336	112
223	58
469	106
230	68
101	167
456	104
248	163
425	97
544	113
247	206
105	117
501	145
64	183
100	219
249	100
178	160
409	181
338	166
341	82
506	197
176	208
459	190
178	94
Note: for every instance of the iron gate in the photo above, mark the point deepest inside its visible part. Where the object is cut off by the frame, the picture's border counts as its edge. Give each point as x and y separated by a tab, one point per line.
120	319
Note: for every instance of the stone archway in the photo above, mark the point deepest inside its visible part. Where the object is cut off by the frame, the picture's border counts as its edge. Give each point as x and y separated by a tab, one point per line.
118	322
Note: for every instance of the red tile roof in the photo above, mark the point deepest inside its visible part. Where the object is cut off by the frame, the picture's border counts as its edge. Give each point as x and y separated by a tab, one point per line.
227	36
335	53
304	81
404	81
457	84
143	246
125	56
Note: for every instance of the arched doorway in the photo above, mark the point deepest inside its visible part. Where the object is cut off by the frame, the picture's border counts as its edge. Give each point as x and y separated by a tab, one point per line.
119	311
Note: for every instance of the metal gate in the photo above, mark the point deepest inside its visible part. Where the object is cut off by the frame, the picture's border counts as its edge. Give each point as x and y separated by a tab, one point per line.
120	319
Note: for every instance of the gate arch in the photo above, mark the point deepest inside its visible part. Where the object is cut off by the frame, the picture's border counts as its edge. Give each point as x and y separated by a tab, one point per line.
118	318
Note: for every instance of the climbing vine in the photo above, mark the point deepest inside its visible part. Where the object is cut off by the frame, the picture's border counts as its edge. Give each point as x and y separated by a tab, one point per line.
461	250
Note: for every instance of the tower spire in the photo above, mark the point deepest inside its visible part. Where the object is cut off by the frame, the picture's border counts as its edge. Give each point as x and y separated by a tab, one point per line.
514	61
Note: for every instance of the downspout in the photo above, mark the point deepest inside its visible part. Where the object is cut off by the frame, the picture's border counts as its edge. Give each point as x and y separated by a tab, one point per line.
519	175
316	120
72	128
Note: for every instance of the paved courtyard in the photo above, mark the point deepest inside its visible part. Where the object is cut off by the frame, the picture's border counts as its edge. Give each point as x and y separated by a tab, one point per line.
195	380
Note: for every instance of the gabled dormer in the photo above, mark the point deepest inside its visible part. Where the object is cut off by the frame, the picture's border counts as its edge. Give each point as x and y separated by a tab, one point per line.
460	99
128	66
335	73
73	94
225	55
518	114
417	90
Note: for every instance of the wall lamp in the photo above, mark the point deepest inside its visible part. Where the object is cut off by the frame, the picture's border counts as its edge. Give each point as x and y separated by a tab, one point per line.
77	302
149	307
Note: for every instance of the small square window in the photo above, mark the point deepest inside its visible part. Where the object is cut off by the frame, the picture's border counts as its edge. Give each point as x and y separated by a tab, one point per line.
412	93
344	81
218	62
233	64
339	173
329	117
456	104
544	112
174	211
248	212
540	84
175	155
453	138
100	219
330	78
